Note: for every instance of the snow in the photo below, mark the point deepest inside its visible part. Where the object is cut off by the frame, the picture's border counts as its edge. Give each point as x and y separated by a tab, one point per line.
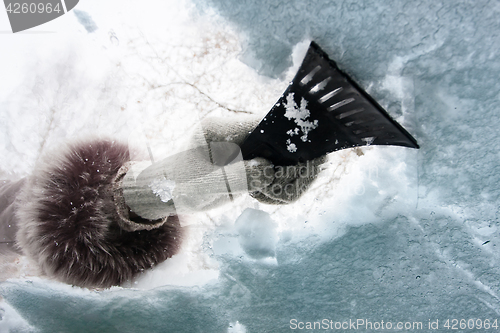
291	147
163	188
299	114
385	233
256	233
236	328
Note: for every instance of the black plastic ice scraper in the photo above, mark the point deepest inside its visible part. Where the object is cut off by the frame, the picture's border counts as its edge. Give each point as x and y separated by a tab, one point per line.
322	110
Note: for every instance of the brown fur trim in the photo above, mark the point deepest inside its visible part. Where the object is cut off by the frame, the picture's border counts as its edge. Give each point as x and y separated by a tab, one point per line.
69	222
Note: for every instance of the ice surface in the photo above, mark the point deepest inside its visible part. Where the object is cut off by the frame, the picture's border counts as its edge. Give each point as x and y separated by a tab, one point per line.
86	20
11	320
386	233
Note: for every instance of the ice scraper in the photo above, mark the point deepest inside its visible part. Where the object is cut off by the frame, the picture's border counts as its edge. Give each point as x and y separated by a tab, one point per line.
322	110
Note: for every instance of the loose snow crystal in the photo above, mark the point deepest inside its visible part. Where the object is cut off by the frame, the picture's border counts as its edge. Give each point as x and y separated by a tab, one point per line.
299	116
291	147
163	188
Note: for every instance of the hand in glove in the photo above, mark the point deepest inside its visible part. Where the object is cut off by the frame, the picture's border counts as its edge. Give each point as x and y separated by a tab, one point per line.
209	172
288	182
267	183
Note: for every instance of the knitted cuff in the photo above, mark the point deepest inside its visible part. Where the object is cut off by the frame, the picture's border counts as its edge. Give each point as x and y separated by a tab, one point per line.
127	220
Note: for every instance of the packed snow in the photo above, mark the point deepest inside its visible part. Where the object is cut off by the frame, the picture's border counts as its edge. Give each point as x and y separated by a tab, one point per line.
384	234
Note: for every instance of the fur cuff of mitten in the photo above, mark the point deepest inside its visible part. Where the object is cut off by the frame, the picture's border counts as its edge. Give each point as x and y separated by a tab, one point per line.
73	221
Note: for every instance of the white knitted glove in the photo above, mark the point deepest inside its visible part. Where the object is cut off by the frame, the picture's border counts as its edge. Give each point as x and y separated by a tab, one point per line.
267	183
205	175
210	172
